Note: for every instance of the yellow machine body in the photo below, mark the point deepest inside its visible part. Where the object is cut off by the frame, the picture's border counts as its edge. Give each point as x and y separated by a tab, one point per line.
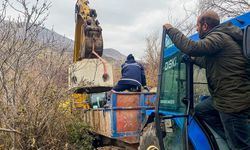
79	101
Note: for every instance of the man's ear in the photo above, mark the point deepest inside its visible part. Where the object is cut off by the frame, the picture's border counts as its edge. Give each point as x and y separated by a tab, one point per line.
205	27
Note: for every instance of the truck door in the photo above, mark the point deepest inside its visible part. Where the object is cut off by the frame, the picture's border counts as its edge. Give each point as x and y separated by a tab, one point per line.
171	122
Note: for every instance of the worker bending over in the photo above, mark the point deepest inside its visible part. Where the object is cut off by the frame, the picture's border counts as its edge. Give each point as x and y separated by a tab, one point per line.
133	76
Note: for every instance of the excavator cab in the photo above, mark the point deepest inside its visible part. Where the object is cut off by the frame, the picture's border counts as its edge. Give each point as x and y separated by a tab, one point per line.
88	34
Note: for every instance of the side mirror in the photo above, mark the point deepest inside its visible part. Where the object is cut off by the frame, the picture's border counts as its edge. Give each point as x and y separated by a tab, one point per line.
246	42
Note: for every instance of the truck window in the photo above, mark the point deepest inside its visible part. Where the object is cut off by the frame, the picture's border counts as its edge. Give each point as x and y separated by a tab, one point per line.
173	81
200	85
97	100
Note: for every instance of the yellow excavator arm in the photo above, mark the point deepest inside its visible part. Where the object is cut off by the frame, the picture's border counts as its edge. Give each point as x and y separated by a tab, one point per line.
88	34
89	72
84	9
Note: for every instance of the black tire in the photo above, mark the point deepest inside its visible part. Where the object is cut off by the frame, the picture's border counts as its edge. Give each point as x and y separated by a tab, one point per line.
148	139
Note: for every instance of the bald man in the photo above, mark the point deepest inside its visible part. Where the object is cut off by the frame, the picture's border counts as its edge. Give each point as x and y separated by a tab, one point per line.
228	74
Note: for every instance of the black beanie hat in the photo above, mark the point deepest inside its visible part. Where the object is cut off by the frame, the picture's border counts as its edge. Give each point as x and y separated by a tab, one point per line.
130	56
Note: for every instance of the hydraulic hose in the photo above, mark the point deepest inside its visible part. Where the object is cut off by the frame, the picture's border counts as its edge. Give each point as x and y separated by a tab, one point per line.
105	74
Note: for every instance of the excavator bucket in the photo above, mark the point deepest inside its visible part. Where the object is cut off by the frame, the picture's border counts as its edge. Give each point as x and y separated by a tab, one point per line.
90	72
88	33
93	41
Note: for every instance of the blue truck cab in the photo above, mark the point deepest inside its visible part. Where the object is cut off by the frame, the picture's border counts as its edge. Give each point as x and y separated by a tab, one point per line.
174	124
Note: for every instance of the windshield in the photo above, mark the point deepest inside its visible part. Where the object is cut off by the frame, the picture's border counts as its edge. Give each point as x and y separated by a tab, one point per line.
173	80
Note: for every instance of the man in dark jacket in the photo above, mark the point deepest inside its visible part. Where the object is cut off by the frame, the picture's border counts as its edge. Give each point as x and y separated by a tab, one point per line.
133	76
228	74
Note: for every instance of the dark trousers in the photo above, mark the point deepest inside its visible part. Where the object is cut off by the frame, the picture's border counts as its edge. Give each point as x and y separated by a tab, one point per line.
233	127
129	87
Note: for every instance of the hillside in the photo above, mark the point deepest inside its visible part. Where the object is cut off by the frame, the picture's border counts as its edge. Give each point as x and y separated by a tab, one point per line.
62	42
113	56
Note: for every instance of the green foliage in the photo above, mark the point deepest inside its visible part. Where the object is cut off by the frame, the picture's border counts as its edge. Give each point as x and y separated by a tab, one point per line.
78	136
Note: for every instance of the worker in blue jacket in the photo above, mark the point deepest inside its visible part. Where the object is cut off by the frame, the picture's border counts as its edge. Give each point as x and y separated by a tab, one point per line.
133	76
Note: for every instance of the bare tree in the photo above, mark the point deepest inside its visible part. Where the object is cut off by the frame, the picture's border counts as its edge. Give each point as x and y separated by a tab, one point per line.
33	79
226	8
152	53
152	58
188	24
18	48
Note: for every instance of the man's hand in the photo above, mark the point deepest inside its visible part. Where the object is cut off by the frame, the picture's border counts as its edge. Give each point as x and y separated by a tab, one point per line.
167	26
